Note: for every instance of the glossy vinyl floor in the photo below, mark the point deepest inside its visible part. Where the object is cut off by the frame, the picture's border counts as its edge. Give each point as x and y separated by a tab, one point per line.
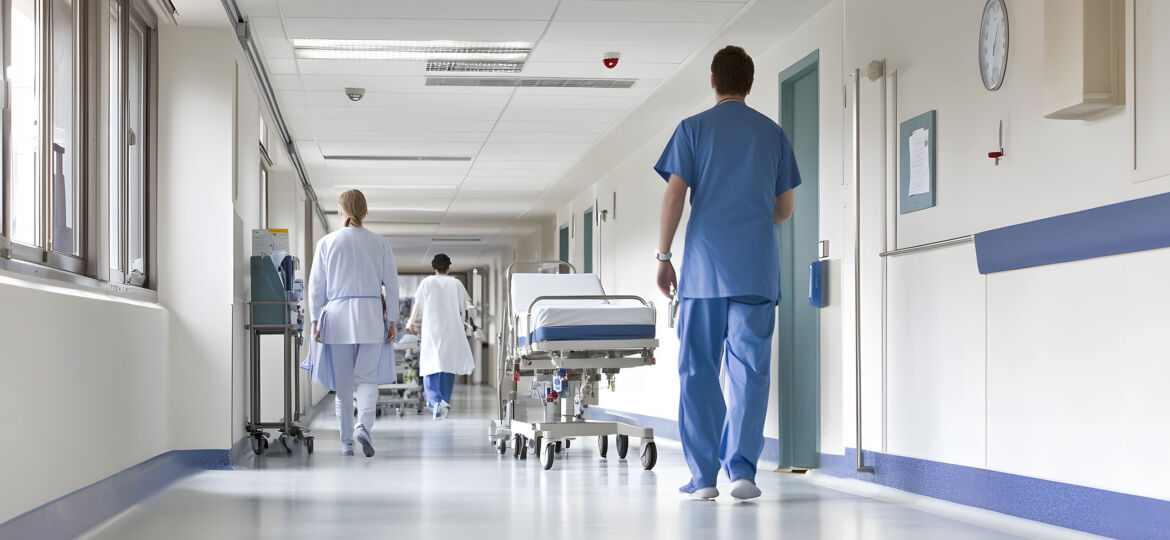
441	480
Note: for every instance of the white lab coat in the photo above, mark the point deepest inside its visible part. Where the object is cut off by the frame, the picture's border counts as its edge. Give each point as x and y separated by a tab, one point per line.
349	271
442	302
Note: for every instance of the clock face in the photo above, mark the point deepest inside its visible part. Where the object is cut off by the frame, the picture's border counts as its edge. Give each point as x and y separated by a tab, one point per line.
993	44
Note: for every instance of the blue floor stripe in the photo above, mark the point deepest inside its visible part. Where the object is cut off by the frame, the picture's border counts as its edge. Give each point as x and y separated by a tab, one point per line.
77	512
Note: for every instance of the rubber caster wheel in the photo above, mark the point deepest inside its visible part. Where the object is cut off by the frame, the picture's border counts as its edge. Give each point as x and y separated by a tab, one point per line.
502	447
517	446
309	445
567	443
378	413
603	445
559	447
649	455
285	444
401	412
524	449
549	455
536	446
259	445
623	445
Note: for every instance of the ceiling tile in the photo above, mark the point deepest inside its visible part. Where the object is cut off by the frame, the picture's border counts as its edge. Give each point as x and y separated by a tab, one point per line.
641	11
539	10
416	29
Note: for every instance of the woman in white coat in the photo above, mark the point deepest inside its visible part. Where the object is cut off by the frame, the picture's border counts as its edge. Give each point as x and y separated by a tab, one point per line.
350	269
442	302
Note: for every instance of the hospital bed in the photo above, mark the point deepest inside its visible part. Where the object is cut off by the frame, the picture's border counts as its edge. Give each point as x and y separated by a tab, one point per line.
562	335
407	391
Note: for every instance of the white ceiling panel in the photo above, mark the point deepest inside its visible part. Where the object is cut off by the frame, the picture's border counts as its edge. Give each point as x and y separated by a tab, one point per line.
624	70
641	88
562	102
420	168
640	11
259	8
685	34
411	124
380	83
548	126
561	51
277	47
355	148
401	100
265	28
415	29
523	137
395	113
403	136
504	208
281	66
568	115
537	10
313	66
493	151
519	168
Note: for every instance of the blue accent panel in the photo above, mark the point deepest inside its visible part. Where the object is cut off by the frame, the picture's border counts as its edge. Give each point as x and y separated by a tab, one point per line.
1097	511
817	283
596	332
77	512
1126	227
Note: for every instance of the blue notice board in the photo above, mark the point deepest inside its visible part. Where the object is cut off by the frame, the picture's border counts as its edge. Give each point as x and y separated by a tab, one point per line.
912	203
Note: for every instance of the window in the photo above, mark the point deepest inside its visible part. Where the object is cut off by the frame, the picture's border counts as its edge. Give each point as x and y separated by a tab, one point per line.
263	196
55	212
128	156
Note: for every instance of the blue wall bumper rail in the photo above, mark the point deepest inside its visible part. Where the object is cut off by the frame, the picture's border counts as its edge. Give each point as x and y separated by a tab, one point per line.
77	512
1126	227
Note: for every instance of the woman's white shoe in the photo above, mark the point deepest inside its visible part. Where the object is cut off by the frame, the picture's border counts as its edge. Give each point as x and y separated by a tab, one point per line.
744	489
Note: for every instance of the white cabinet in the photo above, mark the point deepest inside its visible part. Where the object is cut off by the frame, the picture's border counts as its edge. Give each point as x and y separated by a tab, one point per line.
1084	57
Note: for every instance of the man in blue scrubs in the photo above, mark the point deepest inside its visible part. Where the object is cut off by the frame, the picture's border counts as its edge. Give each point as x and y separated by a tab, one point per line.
739	167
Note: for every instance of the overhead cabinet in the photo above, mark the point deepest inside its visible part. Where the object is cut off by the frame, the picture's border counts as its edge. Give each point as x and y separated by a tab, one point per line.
1084	57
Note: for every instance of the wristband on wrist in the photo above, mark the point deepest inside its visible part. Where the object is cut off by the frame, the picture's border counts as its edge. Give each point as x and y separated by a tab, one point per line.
662	256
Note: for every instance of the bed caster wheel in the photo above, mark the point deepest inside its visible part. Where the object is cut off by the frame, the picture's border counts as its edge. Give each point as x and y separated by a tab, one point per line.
603	445
567	441
517	445
623	445
285	443
401	412
549	455
559	447
259	444
309	445
524	449
649	455
535	445
377	413
502	447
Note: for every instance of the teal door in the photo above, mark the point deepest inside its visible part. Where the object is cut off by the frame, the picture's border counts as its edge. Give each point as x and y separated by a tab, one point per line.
799	322
564	243
587	230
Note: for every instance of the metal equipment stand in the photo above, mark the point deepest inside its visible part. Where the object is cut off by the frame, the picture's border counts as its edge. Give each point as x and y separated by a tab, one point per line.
292	431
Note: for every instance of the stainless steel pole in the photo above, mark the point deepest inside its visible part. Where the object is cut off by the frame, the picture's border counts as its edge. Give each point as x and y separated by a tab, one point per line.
857	258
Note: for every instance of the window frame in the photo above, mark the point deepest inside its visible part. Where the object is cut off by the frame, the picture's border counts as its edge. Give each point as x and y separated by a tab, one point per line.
91	267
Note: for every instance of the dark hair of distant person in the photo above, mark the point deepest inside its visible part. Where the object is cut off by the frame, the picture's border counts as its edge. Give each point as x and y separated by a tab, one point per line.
732	71
441	262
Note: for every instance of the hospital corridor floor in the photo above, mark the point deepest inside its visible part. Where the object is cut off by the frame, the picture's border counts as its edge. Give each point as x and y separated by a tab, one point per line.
434	480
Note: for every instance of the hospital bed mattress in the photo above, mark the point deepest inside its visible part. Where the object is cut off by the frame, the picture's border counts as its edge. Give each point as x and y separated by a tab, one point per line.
591	322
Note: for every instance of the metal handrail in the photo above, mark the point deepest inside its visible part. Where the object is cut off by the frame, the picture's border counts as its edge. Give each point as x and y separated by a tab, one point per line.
928	246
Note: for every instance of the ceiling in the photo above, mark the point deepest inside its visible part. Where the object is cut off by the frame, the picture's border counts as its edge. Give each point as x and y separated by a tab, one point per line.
519	141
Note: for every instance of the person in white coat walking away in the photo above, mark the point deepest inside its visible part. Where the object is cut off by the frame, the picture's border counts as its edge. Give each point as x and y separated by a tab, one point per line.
351	268
442	303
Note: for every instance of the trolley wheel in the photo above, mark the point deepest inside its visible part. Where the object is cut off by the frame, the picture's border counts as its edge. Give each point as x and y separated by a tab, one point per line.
623	445
536	445
378	412
502	447
603	445
256	445
517	445
309	444
401	412
524	448
549	455
649	455
285	443
559	447
567	441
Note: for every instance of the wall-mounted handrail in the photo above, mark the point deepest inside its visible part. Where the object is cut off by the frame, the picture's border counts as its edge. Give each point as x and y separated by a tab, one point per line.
857	258
928	246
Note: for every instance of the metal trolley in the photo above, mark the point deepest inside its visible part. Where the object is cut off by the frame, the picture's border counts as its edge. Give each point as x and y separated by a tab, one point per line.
578	367
270	317
406	392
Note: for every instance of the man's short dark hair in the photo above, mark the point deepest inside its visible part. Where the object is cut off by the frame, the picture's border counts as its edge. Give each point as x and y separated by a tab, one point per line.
441	262
733	71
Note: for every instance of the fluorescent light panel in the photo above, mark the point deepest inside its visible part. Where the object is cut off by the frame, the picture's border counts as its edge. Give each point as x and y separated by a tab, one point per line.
474	67
376	49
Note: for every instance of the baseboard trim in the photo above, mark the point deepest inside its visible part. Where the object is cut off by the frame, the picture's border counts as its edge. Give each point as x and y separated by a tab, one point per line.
81	510
1086	509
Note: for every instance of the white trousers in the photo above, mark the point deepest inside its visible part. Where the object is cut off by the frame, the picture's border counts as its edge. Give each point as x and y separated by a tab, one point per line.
355	372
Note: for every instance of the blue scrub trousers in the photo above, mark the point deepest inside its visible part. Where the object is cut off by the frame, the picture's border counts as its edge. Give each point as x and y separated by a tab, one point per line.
438	387
711	431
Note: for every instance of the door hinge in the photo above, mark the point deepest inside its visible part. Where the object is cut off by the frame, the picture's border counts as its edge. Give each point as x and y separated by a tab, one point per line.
4	95
844	96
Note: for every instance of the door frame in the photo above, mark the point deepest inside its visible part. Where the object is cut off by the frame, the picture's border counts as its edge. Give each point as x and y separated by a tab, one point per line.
798	382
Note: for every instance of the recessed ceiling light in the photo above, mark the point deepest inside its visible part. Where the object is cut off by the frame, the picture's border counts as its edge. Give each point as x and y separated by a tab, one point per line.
376	49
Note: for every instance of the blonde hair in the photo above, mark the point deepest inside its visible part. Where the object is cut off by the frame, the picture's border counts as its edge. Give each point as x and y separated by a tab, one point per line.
352	205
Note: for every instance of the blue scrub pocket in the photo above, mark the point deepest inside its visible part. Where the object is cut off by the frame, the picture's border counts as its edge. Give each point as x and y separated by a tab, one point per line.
818	293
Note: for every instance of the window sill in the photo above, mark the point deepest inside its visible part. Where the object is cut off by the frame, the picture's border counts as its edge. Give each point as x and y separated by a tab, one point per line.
74	282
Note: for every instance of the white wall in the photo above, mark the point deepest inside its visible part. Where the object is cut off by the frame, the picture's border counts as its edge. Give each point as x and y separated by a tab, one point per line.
1049	372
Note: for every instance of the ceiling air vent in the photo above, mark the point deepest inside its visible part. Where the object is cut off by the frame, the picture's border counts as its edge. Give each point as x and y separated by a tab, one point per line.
474	67
530	82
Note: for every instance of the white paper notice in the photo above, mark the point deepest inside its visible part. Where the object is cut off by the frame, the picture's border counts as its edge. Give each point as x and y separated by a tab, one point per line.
920	162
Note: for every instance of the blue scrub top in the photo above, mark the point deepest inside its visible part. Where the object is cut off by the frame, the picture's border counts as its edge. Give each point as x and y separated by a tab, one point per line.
735	161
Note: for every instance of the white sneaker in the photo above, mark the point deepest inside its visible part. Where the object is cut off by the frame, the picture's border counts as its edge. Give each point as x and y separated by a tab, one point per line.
744	489
700	494
363	437
347	450
443	410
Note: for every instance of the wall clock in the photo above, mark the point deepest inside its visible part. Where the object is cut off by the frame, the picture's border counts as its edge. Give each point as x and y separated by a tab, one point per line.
993	44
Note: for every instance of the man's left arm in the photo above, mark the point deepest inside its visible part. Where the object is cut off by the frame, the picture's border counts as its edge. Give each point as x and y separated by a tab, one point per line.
785	203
